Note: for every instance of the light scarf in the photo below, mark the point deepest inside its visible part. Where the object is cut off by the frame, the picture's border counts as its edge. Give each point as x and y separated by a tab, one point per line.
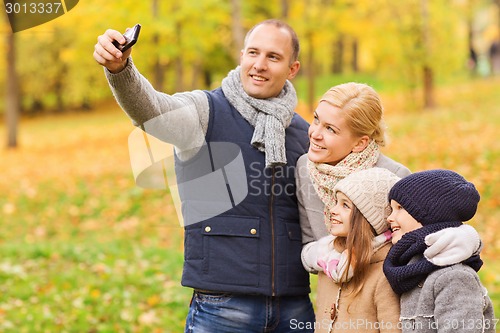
269	117
325	176
334	263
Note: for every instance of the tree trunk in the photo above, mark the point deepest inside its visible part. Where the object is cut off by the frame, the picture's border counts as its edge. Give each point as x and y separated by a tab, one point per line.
311	98
497	3
207	78
238	34
285	8
428	87
338	55
354	60
158	70
178	63
59	87
12	92
197	72
495	60
428	75
472	61
179	74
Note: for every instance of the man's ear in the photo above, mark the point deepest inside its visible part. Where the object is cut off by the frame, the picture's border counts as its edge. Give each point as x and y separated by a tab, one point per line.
361	144
294	69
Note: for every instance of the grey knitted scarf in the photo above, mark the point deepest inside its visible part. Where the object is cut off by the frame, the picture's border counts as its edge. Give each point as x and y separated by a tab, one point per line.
270	117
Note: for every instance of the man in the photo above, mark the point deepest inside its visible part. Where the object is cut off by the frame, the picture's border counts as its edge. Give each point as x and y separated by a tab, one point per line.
242	261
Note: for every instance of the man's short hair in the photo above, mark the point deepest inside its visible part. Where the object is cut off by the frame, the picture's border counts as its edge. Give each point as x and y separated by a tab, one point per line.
280	24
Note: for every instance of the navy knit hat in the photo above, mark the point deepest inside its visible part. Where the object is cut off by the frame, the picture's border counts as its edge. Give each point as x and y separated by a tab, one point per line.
436	196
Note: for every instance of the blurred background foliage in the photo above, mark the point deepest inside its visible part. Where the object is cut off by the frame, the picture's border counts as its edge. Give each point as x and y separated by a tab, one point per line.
192	44
86	250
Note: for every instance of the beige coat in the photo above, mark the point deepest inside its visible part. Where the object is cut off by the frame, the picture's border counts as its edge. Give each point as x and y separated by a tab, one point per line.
374	309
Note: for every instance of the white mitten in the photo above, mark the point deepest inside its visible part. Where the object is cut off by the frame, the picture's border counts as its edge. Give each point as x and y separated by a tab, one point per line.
452	245
314	250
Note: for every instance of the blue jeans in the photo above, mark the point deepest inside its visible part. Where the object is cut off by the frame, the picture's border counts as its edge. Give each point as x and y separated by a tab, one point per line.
234	313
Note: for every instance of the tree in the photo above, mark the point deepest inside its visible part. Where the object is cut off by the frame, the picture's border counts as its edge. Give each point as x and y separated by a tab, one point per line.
237	29
12	92
285	8
310	15
497	3
158	68
338	55
185	45
427	72
354	59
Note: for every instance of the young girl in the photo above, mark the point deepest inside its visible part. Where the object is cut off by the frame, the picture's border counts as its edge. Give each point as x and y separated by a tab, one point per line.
353	293
346	135
435	299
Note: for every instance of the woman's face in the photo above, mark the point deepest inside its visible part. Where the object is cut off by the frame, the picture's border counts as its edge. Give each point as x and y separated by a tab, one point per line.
331	140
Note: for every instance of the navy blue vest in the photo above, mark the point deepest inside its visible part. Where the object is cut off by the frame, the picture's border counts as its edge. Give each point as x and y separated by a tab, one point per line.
241	221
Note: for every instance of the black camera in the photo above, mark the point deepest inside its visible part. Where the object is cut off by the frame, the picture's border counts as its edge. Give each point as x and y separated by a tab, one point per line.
131	37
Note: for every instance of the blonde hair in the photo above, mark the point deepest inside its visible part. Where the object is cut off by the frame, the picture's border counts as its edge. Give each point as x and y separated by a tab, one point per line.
361	107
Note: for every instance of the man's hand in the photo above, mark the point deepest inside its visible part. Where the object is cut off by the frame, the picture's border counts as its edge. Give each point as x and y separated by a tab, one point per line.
107	55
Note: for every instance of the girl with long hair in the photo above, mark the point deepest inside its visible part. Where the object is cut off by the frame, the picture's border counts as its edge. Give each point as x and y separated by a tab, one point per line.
353	293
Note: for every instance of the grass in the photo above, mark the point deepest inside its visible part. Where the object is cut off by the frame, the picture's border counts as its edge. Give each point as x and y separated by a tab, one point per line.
85	250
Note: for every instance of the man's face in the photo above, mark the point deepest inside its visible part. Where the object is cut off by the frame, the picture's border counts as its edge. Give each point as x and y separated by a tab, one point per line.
266	61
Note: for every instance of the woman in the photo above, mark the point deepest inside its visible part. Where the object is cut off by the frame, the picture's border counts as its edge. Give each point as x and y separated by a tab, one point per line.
345	136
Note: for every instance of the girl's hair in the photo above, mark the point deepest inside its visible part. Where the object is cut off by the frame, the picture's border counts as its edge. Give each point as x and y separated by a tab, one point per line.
358	243
362	109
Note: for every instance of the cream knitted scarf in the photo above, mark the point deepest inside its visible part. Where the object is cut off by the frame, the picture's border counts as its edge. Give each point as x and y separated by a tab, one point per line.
325	176
270	117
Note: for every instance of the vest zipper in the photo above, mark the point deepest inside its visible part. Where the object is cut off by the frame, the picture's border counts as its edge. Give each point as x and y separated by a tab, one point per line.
271	221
